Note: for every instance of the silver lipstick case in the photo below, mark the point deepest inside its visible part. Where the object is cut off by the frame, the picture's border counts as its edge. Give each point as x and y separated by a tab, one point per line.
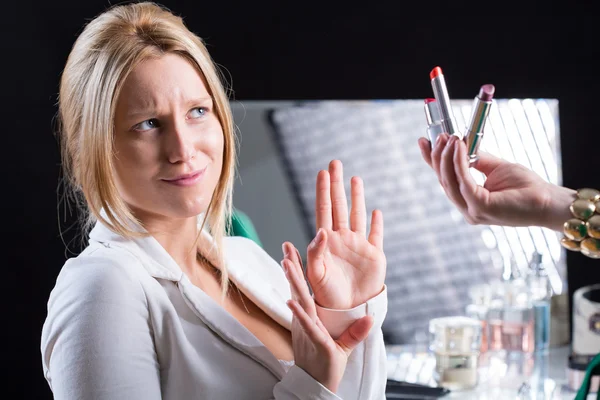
443	99
435	127
474	130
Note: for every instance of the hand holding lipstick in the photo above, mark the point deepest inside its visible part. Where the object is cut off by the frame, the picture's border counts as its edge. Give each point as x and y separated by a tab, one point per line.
511	196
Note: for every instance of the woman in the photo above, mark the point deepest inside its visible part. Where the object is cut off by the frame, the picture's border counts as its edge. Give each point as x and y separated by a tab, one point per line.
160	304
514	195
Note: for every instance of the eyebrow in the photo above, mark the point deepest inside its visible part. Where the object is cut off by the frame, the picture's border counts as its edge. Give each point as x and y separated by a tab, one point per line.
150	110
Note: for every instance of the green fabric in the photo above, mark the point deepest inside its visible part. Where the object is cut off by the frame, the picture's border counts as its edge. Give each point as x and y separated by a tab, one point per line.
592	369
241	225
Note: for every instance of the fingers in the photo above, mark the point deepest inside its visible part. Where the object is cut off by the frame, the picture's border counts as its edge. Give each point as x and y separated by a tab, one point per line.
315	258
425	146
436	153
471	192
323	201
448	174
356	333
291	253
376	233
450	162
332	205
299	288
308	324
339	203
286	267
487	162
358	212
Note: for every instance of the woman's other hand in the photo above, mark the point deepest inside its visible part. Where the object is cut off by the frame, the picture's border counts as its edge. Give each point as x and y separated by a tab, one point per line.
315	351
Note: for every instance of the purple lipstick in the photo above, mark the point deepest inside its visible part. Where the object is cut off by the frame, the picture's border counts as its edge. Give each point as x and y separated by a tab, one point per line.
480	111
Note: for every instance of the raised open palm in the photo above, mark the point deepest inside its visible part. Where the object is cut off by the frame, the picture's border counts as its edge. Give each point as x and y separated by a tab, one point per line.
345	266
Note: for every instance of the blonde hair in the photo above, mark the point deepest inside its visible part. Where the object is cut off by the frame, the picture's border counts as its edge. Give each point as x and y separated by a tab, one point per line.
106	51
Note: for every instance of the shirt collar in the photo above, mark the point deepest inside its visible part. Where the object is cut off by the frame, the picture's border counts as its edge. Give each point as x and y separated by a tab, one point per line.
157	261
264	291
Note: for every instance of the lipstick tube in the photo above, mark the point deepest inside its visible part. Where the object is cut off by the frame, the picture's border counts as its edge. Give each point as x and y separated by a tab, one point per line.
480	111
434	120
440	92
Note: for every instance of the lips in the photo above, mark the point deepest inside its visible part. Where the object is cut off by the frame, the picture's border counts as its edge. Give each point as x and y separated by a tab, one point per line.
185	176
188	179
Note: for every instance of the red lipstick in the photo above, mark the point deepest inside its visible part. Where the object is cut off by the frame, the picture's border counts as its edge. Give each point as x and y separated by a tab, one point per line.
440	91
437	71
434	120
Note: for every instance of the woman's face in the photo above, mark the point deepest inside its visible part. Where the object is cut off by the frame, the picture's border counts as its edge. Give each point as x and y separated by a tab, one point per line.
168	140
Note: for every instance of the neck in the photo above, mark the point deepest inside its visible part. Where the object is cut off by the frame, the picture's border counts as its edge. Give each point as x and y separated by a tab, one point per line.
178	236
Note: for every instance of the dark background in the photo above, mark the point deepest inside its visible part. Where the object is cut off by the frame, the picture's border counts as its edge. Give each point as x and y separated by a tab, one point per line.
288	51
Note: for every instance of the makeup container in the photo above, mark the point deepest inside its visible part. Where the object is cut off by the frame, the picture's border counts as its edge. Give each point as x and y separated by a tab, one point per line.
480	111
511	328
576	370
440	92
511	316
455	343
435	127
586	320
540	291
481	296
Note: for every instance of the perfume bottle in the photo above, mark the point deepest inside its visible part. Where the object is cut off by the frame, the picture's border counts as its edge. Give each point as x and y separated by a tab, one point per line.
511	328
540	292
511	316
481	296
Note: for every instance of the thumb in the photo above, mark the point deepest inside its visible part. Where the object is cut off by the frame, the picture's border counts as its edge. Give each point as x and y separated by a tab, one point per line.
315	267
487	163
425	146
356	333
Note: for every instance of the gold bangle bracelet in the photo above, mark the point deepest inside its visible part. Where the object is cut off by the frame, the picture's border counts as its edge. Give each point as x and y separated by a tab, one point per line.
582	232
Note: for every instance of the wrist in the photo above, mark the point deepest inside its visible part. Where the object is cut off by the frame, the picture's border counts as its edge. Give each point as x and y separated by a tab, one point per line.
350	304
556	210
362	300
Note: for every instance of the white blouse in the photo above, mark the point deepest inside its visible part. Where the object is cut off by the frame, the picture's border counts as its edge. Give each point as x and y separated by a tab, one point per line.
125	322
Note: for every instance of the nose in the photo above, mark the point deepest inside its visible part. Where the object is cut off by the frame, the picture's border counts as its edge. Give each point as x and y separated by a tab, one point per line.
180	147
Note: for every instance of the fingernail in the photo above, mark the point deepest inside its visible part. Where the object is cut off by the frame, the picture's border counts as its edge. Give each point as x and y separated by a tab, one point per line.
319	238
439	139
315	241
284	250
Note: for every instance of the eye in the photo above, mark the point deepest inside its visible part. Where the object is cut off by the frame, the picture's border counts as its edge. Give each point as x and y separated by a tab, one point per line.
146	125
198	112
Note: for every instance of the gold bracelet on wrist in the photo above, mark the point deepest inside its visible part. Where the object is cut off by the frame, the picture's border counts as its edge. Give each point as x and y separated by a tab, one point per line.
582	233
